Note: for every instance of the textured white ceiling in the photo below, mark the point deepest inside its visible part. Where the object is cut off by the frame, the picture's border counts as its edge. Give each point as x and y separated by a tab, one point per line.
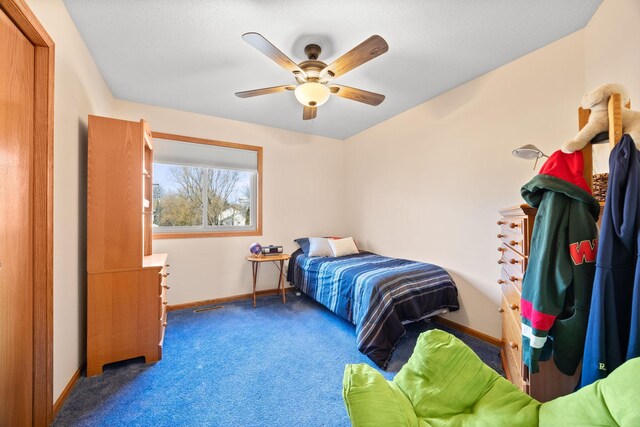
188	54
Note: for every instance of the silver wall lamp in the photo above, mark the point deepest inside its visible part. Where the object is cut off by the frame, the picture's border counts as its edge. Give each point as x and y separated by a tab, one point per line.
529	152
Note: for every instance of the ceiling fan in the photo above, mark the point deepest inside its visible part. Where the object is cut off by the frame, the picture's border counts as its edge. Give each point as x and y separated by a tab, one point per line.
313	76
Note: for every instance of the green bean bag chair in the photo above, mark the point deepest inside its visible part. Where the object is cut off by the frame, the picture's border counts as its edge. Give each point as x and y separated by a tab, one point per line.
444	383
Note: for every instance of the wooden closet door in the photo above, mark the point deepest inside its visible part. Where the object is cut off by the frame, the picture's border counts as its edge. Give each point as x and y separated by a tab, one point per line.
16	225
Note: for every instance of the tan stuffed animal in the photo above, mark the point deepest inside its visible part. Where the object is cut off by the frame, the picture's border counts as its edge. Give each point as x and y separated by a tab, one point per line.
598	100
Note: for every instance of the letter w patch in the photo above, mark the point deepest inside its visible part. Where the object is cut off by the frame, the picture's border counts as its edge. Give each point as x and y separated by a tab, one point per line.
584	251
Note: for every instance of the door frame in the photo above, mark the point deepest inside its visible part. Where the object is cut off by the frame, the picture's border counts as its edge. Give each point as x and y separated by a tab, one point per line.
28	24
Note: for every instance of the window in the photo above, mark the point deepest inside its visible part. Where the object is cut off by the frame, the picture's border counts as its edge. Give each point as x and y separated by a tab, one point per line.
205	188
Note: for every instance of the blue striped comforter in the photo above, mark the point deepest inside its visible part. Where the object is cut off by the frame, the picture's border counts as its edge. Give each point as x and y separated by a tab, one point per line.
375	293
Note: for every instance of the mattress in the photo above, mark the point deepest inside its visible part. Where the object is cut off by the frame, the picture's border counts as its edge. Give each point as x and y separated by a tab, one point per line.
375	293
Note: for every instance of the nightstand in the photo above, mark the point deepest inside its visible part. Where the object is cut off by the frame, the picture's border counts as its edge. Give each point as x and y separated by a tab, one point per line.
278	261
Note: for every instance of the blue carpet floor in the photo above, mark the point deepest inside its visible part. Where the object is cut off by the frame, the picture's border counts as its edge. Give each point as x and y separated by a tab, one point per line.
276	365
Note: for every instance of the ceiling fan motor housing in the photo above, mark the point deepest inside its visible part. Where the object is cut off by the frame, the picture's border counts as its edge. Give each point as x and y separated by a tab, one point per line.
312	69
312	51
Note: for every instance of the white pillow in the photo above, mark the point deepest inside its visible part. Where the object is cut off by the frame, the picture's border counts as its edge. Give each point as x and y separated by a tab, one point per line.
319	246
342	247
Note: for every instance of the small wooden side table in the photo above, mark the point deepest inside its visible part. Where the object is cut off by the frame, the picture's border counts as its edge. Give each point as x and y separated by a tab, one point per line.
255	263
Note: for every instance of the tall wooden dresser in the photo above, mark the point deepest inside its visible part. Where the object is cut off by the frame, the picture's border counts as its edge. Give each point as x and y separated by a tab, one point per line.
515	230
126	296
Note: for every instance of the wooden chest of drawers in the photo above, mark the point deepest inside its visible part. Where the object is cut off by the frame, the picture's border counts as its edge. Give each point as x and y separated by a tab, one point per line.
515	230
126	314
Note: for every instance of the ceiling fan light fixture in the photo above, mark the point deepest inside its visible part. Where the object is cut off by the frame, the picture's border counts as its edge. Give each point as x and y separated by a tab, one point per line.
312	94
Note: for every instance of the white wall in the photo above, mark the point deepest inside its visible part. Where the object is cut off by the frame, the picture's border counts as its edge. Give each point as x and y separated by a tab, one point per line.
612	47
79	91
612	55
427	184
302	195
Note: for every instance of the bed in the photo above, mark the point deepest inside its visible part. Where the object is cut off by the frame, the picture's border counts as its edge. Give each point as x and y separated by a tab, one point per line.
375	293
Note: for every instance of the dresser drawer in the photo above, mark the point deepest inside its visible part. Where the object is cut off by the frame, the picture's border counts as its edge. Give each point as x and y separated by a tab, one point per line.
516	241
163	285
162	300
512	344
512	275
512	296
511	367
163	317
513	240
162	279
513	264
162	305
512	363
513	232
508	277
512	225
162	325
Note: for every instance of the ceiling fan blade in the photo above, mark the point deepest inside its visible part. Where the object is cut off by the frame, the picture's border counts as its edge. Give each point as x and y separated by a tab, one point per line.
264	91
359	95
367	50
309	113
263	45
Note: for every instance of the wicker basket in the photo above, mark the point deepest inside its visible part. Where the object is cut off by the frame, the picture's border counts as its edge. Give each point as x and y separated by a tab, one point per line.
600	181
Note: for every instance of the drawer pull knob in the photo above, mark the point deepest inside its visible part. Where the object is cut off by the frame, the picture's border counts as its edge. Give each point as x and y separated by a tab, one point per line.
513	278
166	286
500	236
514	225
513	243
500	310
500	282
166	274
167	265
500	261
501	249
501	222
164	323
514	261
513	306
513	345
164	302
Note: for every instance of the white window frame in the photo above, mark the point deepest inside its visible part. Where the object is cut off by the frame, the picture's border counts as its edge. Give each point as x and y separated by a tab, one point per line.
254	229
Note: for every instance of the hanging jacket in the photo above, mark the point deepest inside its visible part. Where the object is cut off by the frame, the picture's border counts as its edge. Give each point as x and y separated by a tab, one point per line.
614	323
556	288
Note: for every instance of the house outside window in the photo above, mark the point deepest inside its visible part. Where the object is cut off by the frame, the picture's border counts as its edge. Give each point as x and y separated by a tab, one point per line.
204	188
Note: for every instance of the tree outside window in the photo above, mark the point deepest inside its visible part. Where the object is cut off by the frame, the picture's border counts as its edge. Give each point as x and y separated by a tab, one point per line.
181	194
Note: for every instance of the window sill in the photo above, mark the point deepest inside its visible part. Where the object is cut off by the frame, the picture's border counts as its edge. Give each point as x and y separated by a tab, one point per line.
195	235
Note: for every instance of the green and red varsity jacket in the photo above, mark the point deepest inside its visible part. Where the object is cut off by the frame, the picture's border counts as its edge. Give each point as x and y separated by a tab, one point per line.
556	289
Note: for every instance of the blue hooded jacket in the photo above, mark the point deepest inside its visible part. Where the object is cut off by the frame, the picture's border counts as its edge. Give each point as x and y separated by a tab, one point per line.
613	331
